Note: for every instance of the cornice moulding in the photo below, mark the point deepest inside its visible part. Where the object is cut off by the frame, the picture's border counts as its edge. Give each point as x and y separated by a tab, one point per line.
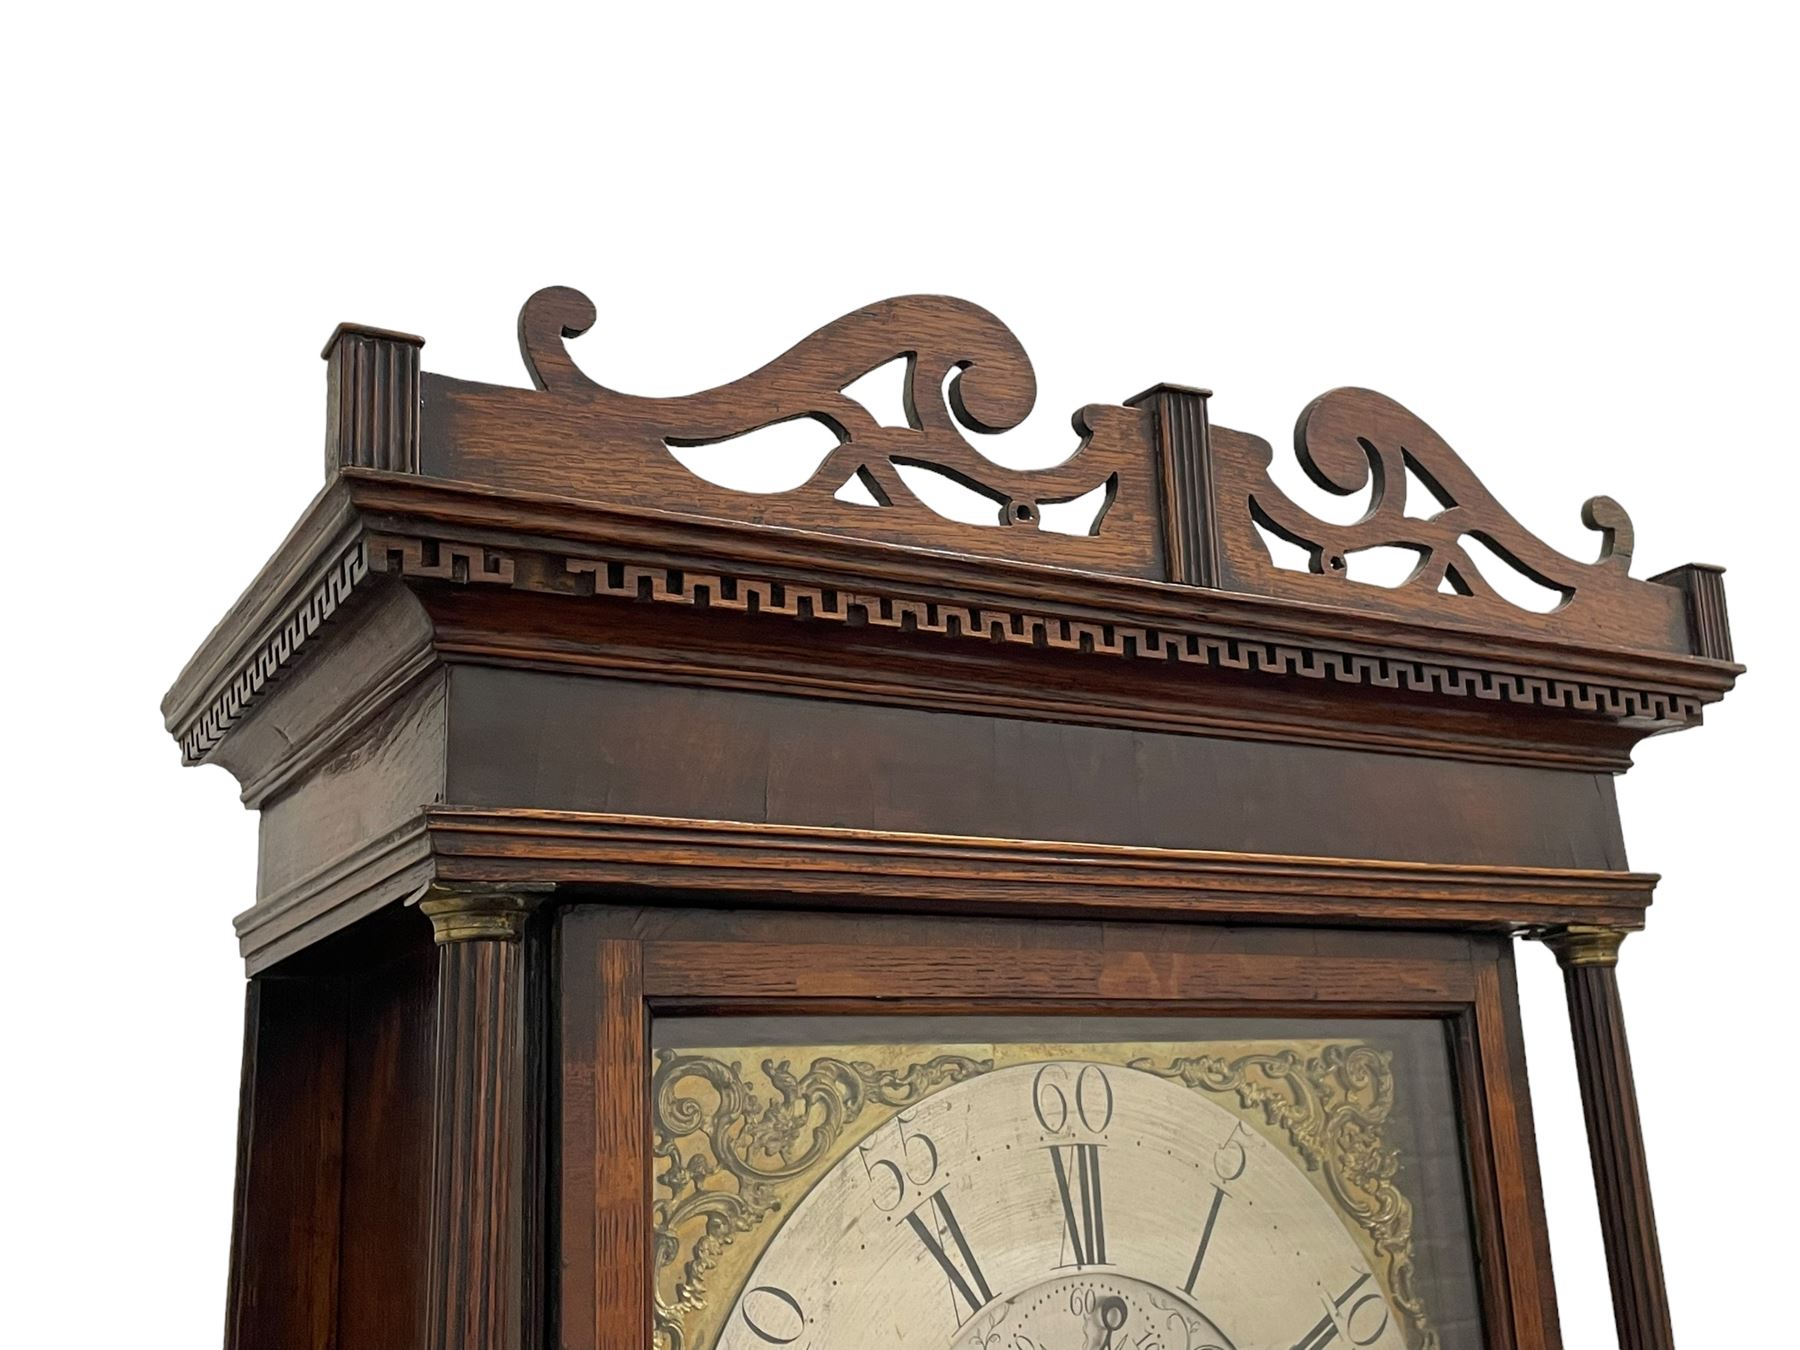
347	536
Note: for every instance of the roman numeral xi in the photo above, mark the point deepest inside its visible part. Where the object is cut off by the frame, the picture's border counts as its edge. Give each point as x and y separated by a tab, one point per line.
966	1280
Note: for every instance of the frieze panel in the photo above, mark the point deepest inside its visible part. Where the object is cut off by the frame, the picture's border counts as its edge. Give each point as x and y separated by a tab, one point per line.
1196	645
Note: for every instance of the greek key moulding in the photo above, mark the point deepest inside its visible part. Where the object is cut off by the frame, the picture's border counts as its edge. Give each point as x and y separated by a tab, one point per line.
694	919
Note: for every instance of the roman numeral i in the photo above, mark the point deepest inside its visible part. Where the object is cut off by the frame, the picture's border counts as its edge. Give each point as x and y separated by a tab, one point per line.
1212	1217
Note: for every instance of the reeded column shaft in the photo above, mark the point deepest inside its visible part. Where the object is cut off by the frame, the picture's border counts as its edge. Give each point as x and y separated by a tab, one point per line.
1589	957
1185	488
476	1238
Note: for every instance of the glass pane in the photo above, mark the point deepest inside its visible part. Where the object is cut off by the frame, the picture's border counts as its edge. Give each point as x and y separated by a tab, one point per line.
1059	1183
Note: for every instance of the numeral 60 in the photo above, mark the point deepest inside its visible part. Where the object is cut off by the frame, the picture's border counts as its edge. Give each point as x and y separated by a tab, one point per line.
1093	1105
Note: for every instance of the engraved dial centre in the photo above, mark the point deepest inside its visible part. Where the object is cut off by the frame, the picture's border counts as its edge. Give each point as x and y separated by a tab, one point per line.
1092	1312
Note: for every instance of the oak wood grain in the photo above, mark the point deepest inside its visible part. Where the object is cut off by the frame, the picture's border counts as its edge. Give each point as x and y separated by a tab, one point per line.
284	1265
872	869
473	1297
604	1303
566	743
1512	1156
389	1052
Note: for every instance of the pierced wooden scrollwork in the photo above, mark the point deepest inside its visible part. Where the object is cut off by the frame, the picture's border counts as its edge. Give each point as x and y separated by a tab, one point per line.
1335	447
1355	440
964	372
1153	490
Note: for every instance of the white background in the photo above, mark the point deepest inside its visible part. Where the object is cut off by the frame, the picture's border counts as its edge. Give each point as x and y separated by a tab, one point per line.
1565	237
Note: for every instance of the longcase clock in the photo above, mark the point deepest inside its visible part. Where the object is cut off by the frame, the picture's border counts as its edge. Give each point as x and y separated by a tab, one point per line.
931	907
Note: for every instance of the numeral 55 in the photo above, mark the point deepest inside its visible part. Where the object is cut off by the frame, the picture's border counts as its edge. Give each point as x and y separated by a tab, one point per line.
915	1163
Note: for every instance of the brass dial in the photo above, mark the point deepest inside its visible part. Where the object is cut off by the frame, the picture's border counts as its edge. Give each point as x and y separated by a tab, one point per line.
1051	1206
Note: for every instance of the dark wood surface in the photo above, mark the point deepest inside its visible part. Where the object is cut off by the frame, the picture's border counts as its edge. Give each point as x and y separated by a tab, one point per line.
1507	1180
1184	502
601	1143
1190	526
1181	502
388	1066
688	641
329	1231
475	1261
864	869
372	399
1143	761
439	532
541	1091
284	1260
553	742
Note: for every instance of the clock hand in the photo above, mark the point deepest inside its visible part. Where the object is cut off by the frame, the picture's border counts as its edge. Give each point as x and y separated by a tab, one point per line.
1112	1311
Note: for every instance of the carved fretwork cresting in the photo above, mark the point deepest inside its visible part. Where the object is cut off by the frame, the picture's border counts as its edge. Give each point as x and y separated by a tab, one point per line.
1355	440
964	371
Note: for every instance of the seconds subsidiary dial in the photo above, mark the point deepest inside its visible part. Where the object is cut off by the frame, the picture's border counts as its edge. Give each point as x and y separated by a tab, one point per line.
1063	1205
1094	1312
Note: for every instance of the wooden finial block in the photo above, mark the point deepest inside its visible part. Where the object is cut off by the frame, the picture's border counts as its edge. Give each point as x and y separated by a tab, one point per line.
1190	533
1709	625
371	399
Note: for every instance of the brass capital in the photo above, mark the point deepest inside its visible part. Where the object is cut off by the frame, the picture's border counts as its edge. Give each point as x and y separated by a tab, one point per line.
1582	944
480	911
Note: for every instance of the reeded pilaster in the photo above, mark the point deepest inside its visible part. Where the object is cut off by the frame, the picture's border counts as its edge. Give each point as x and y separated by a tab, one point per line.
1589	957
476	1240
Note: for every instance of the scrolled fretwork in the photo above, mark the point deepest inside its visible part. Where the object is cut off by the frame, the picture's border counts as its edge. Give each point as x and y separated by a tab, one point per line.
722	1155
964	372
1330	1108
1355	440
